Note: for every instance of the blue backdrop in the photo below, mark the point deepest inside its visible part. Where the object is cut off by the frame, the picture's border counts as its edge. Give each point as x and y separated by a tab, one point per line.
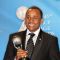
9	23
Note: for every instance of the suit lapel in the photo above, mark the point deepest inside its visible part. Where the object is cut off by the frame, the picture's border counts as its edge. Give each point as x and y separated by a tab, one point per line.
37	45
39	38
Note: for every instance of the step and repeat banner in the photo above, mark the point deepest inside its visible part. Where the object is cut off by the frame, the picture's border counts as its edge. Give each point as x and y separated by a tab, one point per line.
12	14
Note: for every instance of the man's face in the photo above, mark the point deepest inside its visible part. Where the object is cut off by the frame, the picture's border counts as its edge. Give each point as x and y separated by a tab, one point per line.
33	20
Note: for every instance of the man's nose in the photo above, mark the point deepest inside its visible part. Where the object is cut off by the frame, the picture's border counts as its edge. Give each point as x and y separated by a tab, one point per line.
31	20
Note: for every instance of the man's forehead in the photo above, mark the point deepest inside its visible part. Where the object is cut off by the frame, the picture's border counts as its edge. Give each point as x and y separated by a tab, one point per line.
32	10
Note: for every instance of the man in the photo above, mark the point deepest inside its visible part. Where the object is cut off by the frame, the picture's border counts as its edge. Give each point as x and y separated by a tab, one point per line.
45	45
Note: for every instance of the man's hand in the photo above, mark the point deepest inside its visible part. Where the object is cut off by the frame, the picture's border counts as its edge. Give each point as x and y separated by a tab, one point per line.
21	53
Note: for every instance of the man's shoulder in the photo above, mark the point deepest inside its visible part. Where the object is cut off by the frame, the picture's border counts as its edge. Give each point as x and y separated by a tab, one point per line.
48	35
18	33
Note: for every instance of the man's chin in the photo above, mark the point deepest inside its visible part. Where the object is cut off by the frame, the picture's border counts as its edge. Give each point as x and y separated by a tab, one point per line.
32	30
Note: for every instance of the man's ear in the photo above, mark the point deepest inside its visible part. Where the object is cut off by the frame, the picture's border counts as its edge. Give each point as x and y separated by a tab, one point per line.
41	21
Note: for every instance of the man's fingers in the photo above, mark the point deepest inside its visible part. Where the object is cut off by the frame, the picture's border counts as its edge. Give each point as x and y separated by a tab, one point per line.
21	53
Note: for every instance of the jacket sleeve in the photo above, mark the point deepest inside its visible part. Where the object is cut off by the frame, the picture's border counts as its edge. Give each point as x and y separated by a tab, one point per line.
54	49
10	50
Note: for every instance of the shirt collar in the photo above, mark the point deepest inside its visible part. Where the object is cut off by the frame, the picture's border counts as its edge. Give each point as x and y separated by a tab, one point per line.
36	32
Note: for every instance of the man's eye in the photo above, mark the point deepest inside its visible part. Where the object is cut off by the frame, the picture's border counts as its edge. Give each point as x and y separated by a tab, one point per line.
35	18
27	17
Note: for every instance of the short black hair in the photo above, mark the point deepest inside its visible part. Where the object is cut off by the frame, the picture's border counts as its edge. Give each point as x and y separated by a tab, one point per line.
35	7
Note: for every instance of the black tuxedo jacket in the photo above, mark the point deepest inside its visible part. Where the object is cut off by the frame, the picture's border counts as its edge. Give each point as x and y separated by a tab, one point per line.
46	47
